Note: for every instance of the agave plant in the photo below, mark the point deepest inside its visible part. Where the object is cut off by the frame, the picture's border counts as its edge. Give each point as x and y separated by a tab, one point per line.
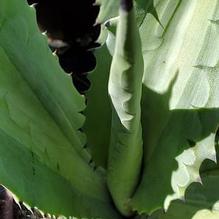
150	121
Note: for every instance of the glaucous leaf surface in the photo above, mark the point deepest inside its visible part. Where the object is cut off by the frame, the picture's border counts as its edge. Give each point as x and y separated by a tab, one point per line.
125	90
180	104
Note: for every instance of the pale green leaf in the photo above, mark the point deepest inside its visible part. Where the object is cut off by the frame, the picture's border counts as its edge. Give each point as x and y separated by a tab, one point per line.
125	89
180	93
180	99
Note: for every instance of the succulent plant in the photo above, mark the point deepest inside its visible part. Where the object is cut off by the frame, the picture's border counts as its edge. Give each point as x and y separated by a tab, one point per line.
142	141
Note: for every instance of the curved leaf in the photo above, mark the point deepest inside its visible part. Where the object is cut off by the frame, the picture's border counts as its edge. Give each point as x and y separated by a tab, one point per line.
180	95
41	149
98	112
125	91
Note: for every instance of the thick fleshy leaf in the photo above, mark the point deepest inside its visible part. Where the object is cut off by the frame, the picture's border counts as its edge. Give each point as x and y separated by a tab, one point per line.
41	149
99	79
125	89
180	105
180	95
98	111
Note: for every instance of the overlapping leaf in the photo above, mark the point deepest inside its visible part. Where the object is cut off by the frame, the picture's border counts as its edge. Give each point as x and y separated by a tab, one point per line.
180	100
125	90
201	199
180	93
98	111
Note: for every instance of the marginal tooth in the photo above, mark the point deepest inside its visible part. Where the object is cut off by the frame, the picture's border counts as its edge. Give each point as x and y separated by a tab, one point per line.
44	33
34	5
216	206
55	52
167	201
213	157
182	198
111	22
86	155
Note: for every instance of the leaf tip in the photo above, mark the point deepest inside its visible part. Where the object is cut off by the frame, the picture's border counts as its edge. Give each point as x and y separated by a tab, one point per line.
126	5
34	5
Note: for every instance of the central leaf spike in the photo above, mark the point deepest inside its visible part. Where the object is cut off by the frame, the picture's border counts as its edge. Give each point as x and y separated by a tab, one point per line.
125	89
126	5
